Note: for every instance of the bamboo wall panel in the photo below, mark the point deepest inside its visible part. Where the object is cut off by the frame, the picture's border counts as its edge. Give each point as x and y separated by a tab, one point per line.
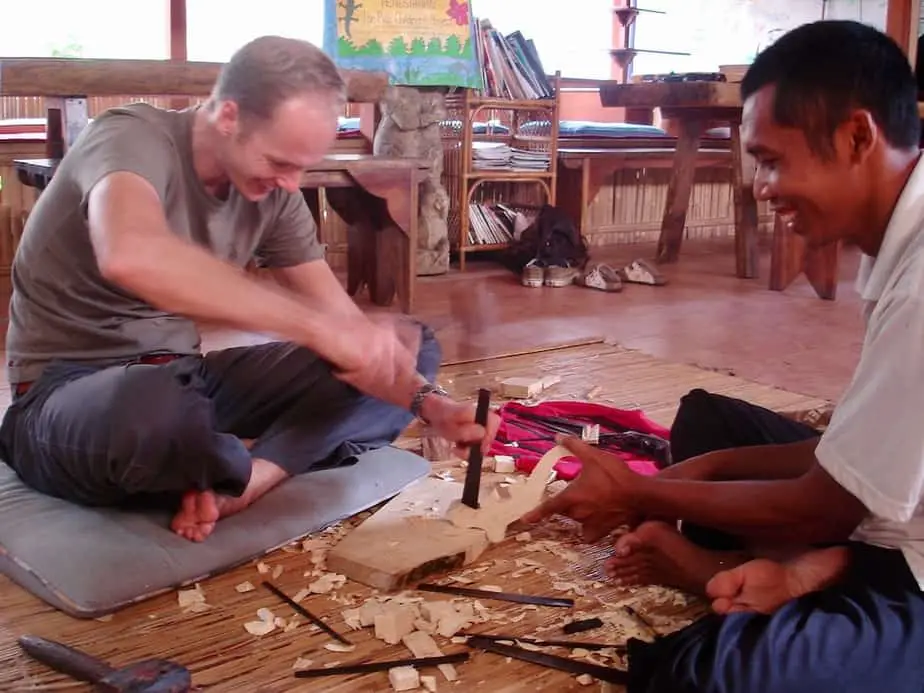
630	205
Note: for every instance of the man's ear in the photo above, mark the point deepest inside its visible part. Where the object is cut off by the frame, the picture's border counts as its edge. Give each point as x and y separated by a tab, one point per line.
862	134
227	118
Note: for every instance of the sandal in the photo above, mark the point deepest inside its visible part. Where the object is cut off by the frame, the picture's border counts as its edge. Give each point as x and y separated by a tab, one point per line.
642	272
601	277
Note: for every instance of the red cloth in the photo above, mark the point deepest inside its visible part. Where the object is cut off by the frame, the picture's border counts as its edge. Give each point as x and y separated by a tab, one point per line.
567	468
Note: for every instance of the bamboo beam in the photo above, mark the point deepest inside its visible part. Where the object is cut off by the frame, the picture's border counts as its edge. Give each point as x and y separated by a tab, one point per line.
177	34
902	18
84	77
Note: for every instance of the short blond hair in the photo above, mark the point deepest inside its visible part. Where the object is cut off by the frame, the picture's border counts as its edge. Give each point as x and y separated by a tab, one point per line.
270	70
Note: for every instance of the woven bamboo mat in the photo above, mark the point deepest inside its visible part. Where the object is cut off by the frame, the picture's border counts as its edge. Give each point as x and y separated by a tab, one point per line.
223	656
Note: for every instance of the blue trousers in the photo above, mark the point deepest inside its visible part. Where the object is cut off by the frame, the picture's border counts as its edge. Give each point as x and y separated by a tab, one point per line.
137	432
862	635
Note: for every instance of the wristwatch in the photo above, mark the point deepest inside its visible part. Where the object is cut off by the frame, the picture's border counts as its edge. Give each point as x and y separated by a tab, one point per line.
421	394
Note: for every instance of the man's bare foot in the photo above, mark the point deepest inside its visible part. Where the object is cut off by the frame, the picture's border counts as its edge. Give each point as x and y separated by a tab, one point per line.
764	586
200	510
657	554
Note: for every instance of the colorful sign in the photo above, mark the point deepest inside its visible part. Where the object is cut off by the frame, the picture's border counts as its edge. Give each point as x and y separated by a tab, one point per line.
417	42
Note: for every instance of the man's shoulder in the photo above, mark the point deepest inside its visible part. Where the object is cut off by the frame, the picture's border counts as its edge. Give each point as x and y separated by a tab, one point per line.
137	120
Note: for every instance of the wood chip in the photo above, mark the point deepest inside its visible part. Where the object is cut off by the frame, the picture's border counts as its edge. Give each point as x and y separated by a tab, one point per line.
262	568
277	571
245	587
186	598
339	647
302	663
259	627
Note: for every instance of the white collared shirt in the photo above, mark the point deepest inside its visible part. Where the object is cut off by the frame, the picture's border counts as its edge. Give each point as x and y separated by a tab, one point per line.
874	445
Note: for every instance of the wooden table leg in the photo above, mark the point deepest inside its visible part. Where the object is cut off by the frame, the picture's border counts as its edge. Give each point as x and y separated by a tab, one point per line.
746	254
679	189
578	187
400	191
790	258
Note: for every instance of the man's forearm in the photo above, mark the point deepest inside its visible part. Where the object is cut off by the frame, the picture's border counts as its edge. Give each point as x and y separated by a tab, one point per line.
784	510
181	278
759	462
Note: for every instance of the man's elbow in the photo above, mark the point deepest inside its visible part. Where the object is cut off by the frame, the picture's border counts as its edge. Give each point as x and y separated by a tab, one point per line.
121	263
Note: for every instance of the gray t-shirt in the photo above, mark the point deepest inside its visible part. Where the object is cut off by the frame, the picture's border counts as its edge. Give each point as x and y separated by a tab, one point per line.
62	308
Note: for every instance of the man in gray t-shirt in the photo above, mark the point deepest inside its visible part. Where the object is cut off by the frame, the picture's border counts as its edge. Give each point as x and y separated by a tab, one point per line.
146	227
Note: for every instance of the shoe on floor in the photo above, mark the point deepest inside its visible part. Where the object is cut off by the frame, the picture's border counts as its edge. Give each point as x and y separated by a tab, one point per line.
601	277
557	275
533	274
642	272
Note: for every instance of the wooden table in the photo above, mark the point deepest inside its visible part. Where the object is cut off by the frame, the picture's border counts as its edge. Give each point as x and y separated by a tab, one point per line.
582	172
377	196
697	106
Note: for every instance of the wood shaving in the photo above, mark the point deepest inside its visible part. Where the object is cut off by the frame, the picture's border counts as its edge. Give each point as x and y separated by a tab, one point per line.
339	647
266	615
300	595
262	568
277	571
302	663
245	587
326	583
524	536
259	627
585	679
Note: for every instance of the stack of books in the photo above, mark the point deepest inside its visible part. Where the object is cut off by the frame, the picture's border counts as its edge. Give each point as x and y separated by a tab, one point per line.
491	155
491	223
530	160
510	65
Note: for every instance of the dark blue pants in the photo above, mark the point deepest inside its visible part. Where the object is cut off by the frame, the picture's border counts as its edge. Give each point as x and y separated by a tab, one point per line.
108	436
862	635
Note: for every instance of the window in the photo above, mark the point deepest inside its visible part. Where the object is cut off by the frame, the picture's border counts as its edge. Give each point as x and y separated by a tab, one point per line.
728	32
576	43
85	29
217	28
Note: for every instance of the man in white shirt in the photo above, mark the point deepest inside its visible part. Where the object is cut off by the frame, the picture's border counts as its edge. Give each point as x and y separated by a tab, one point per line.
830	114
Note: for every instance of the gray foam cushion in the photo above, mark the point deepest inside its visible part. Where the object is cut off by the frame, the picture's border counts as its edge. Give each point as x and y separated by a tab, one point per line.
89	562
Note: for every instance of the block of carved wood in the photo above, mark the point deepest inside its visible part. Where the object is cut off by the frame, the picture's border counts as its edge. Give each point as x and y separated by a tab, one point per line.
495	514
408	539
521	388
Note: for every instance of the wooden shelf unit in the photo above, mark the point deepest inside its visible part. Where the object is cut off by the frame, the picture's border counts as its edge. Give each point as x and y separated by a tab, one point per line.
522	124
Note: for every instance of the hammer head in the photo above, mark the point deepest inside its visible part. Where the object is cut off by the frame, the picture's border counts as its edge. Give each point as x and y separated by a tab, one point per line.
148	676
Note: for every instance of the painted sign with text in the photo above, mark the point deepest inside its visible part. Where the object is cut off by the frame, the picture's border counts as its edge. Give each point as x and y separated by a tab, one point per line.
417	42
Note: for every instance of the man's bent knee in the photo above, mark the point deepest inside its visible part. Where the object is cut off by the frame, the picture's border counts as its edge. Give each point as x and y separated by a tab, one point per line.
430	355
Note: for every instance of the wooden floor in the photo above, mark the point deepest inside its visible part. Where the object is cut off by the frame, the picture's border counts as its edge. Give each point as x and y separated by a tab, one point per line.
224	657
785	350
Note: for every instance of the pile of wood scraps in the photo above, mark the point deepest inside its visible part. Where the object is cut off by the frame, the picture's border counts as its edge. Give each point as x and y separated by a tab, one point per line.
424	600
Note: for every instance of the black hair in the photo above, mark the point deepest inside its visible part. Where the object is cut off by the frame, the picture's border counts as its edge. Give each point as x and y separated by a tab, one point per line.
824	70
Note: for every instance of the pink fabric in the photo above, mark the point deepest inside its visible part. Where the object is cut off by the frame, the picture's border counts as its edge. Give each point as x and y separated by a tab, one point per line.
568	468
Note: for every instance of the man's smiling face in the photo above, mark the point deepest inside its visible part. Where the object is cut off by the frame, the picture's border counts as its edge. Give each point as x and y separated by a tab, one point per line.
819	196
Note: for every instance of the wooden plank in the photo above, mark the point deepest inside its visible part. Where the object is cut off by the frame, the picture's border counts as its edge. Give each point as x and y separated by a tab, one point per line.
902	17
672	95
408	539
80	76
